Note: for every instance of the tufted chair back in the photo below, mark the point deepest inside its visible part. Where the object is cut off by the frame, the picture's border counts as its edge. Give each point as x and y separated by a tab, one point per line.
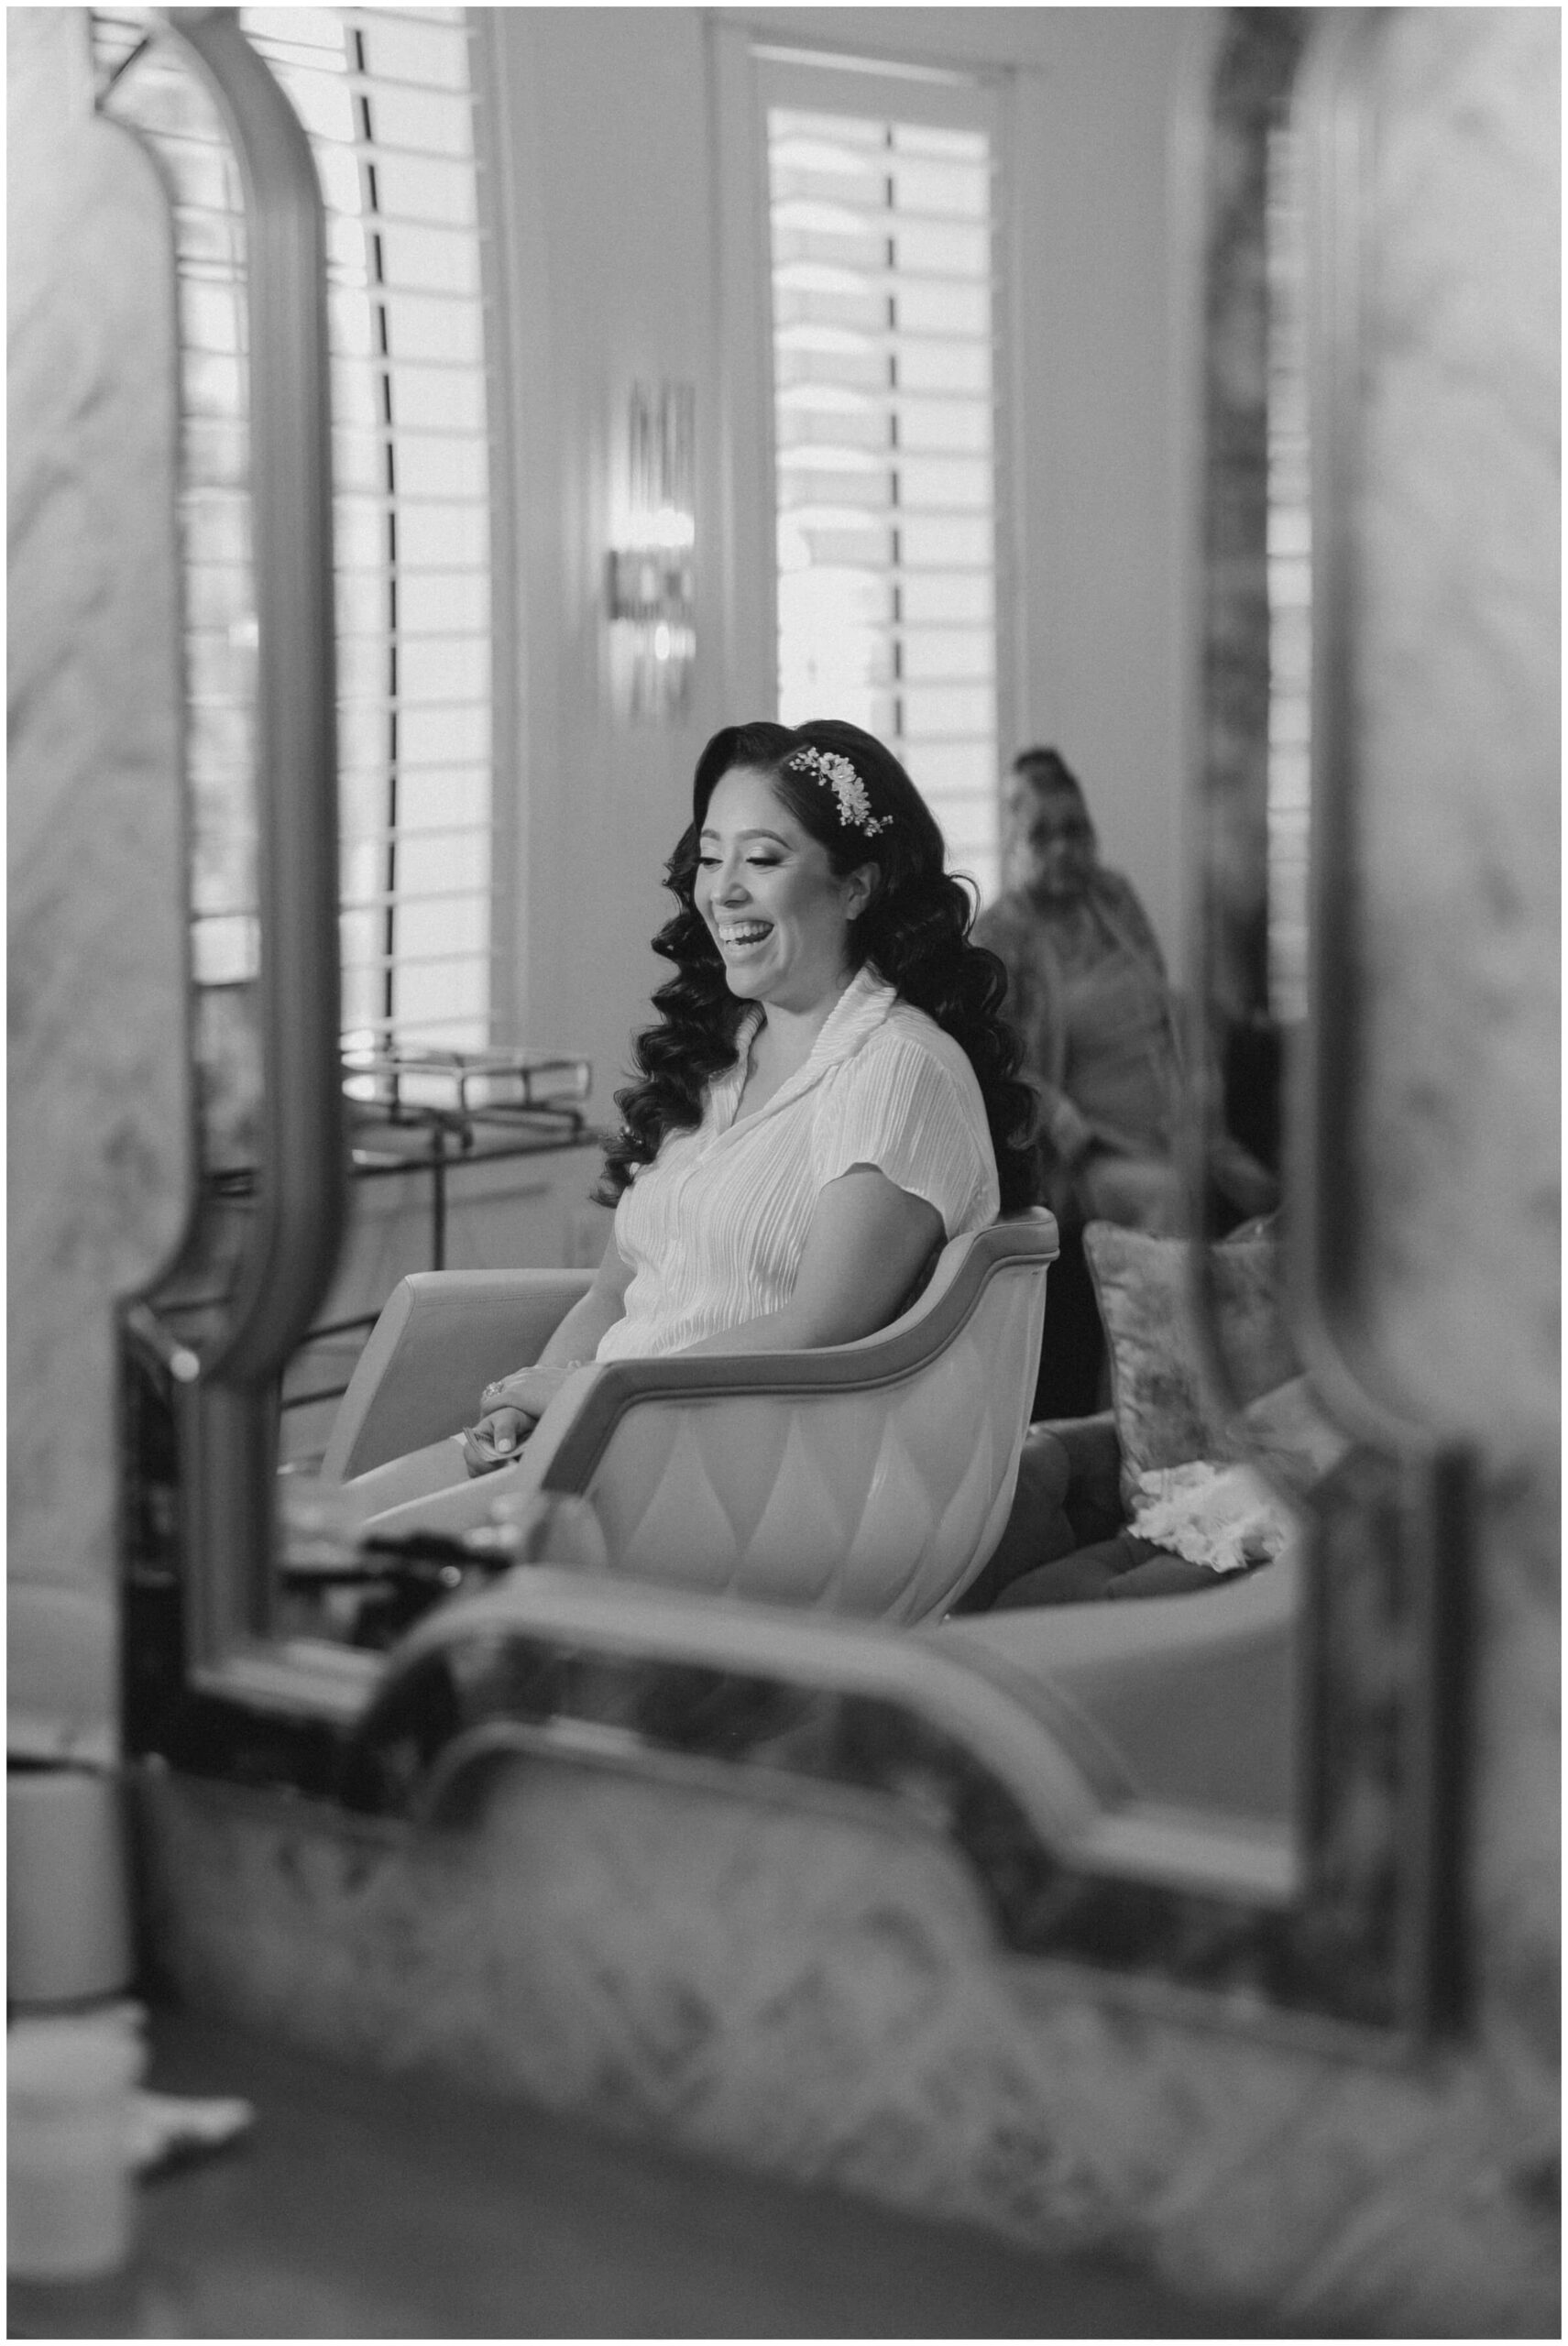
871	1478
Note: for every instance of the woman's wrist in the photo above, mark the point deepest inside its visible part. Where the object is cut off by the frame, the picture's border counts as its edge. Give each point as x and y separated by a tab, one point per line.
494	1395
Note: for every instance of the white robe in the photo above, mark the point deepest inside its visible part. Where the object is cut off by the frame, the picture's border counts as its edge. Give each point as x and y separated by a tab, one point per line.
715	1227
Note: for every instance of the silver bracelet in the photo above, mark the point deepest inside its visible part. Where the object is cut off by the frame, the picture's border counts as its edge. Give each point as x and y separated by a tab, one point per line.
563	1364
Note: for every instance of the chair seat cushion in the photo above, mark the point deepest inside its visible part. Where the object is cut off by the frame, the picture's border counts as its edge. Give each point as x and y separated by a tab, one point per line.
1124	1567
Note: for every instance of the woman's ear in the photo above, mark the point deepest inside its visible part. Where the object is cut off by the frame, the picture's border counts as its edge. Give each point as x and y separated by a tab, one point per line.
859	888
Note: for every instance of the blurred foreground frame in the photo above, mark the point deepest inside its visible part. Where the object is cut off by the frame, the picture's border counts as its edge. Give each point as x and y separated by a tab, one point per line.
1354	1933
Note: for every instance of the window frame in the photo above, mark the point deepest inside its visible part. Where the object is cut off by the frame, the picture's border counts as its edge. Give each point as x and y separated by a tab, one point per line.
375	909
502	379
753	69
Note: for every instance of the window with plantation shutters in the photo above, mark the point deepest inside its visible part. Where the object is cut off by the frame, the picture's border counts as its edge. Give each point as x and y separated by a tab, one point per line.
385	98
881	226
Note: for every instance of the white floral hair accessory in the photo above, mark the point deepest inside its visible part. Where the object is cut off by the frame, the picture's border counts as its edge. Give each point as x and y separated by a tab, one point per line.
854	805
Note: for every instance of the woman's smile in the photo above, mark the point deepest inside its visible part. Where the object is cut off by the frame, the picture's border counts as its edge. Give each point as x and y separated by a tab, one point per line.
737	936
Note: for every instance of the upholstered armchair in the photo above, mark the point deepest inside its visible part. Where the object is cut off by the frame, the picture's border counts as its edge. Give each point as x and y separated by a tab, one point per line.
871	1478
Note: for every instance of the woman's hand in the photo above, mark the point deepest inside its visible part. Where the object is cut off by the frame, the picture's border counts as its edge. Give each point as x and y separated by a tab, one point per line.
494	1440
510	1409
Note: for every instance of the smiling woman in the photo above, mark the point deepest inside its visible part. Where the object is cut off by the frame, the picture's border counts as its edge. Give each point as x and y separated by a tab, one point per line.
827	1098
831	786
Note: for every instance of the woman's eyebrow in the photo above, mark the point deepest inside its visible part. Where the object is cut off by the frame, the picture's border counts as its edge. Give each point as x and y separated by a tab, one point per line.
777	837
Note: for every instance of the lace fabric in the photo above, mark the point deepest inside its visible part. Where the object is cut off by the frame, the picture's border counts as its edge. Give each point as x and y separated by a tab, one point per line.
1224	1517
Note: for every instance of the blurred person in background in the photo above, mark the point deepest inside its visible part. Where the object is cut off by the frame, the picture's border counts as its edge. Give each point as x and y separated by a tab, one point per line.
1101	1028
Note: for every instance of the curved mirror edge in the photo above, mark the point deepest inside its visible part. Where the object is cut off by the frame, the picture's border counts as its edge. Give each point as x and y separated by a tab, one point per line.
1384	1506
200	1350
1077	1866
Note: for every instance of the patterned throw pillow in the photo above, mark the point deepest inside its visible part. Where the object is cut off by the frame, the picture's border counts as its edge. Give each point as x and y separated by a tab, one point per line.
1165	1408
1293	1435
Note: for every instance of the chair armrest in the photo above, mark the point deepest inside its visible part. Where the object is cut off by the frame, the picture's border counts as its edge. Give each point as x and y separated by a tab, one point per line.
441	1338
921	1334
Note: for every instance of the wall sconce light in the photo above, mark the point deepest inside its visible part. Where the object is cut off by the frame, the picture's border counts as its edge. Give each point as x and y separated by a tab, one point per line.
653	605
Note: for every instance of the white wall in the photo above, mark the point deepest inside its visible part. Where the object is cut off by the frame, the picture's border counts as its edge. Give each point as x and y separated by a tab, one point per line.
1103	616
609	168
605	156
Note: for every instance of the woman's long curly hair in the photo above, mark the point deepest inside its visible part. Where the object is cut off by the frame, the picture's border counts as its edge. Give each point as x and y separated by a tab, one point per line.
913	931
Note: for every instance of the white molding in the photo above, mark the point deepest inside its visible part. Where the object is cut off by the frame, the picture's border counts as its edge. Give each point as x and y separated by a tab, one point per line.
527	392
749	641
831	84
1019	112
499	215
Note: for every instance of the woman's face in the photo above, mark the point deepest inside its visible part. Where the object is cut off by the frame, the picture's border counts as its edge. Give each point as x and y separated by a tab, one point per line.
768	895
1052	842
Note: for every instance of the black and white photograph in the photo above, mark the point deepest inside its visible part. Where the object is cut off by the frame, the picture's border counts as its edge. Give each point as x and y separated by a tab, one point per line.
784	1150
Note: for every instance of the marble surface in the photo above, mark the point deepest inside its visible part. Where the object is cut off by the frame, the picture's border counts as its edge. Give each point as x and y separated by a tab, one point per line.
1459	730
97	1122
813	1987
1461	796
1457	1117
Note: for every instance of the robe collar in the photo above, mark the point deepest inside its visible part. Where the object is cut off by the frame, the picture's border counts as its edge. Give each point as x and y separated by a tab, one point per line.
859	1010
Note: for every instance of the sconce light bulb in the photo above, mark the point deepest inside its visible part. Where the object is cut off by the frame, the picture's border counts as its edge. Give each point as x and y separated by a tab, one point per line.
663	529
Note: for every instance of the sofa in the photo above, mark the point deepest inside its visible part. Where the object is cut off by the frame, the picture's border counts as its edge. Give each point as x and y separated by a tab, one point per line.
1252	1437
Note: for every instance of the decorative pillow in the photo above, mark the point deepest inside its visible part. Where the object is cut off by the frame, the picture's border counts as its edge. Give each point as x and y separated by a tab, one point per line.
1165	1408
1288	1431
